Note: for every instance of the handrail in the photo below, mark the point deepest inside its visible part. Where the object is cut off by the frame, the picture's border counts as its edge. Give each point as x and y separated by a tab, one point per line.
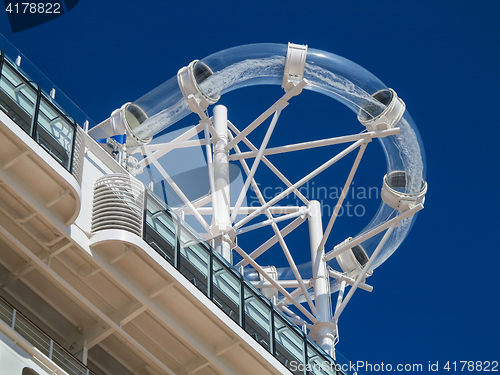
37	337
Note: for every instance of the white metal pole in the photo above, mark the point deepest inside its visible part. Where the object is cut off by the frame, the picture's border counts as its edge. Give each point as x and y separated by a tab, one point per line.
208	148
263	117
183	137
269	164
341	294
270	242
271	221
176	188
294	268
326	330
222	204
316	144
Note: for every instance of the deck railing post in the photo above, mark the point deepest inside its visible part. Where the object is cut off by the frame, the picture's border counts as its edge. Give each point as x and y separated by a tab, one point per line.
13	324
51	348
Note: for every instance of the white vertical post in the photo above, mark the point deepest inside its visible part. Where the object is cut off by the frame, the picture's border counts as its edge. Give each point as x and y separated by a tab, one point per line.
222	204
341	295
51	348
13	324
85	355
326	330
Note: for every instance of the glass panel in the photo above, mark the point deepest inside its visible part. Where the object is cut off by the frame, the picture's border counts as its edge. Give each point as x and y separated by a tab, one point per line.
160	231
257	318
343	363
317	364
55	133
32	74
194	260
194	265
289	346
226	290
17	98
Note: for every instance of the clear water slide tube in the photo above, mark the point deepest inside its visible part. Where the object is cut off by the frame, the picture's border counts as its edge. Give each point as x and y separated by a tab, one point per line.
326	73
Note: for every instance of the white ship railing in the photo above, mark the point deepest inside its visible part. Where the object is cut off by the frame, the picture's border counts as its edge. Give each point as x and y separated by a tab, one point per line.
40	340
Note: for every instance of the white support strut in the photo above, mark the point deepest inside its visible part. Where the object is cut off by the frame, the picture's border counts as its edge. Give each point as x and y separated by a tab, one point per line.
326	330
256	161
301	182
259	120
275	284
179	192
342	197
270	165
373	232
222	205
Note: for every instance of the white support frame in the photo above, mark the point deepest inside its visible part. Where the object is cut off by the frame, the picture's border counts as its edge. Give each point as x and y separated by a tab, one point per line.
316	314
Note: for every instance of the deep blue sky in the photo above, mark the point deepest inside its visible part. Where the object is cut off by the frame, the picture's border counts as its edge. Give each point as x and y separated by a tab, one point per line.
437	298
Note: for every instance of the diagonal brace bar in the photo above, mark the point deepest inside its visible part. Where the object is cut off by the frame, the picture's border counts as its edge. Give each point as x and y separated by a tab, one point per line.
270	166
270	242
373	232
300	183
294	268
183	137
259	120
342	196
318	143
171	182
256	161
282	290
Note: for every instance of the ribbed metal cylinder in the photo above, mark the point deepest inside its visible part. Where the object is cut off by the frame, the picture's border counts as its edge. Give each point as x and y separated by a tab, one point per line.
118	204
78	156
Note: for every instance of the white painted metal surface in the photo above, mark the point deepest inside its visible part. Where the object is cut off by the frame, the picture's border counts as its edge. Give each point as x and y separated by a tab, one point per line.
118	204
119	293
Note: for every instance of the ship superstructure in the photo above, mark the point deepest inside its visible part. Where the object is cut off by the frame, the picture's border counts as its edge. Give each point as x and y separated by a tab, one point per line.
98	275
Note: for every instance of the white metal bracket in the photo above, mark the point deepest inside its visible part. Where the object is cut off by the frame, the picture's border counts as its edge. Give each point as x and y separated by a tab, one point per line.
389	117
270	292
189	86
353	260
122	121
294	65
398	200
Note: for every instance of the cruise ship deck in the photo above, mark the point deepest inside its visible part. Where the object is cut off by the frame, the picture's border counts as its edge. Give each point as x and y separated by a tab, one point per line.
99	277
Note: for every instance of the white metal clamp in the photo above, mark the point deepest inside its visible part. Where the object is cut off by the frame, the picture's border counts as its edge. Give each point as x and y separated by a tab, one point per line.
374	119
390	194
294	66
352	261
189	78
